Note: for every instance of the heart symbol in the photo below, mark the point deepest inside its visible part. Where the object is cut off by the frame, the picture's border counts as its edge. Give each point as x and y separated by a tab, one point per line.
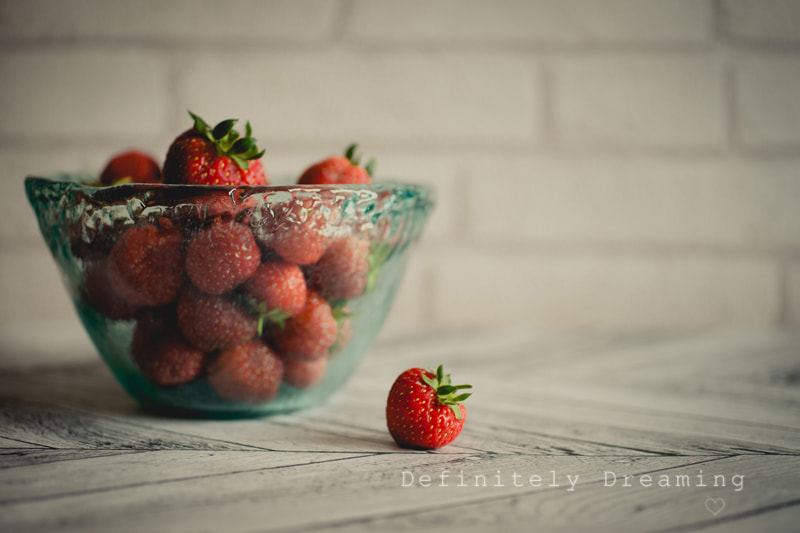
715	505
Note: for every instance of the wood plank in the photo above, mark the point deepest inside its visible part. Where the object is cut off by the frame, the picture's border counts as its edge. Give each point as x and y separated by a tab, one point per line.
502	420
281	433
87	386
778	518
745	377
99	473
305	496
55	427
42	456
769	486
15	444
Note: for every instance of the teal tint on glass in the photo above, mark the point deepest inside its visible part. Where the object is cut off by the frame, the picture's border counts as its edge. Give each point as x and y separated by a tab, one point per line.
83	225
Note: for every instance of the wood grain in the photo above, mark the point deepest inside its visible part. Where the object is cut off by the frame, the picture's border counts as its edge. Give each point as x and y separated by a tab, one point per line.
76	454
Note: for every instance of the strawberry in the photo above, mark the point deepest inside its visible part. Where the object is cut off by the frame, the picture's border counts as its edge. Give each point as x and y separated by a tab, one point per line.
230	204
342	271
308	334
170	361
211	322
303	244
338	170
248	373
278	286
131	167
99	293
303	374
146	263
214	156
424	410
222	256
296	230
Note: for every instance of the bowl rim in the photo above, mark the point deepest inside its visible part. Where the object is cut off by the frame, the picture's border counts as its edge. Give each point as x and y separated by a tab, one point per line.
70	179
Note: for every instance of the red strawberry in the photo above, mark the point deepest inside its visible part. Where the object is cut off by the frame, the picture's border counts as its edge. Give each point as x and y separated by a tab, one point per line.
310	333
279	286
338	170
222	256
249	373
170	361
296	230
210	322
151	324
303	244
342	271
218	156
99	293
303	374
424	410
131	167
146	264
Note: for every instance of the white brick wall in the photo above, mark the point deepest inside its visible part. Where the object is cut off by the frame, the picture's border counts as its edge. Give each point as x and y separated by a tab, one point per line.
620	164
639	100
767	103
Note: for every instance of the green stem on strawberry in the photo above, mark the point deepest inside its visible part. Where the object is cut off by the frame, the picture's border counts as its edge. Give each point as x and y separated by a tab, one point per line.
379	253
446	392
264	315
228	141
350	154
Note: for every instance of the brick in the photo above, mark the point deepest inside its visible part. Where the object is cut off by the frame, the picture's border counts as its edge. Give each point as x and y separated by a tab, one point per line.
636	201
792	318
31	286
613	291
174	22
669	101
553	22
339	96
767	107
84	93
767	21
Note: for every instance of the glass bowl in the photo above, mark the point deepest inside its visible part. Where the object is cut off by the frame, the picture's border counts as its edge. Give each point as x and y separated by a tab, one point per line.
225	302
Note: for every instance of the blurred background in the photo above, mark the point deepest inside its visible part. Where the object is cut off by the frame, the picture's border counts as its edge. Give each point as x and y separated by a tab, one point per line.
625	165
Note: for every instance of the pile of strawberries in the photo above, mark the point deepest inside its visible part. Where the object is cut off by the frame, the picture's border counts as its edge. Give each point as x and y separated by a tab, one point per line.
226	285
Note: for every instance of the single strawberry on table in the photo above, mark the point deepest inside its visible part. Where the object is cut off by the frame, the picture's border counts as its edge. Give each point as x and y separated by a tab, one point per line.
132	166
424	410
203	155
339	170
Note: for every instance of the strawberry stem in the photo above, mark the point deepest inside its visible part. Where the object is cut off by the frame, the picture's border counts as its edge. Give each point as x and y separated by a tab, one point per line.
228	141
446	392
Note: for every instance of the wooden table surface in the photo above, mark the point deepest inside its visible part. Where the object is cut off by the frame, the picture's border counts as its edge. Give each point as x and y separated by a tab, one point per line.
567	431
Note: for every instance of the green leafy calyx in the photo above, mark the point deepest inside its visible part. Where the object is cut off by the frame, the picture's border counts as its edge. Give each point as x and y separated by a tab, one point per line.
355	159
447	393
228	141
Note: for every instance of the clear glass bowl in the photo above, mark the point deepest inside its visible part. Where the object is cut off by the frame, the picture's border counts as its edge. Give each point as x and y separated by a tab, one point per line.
182	350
